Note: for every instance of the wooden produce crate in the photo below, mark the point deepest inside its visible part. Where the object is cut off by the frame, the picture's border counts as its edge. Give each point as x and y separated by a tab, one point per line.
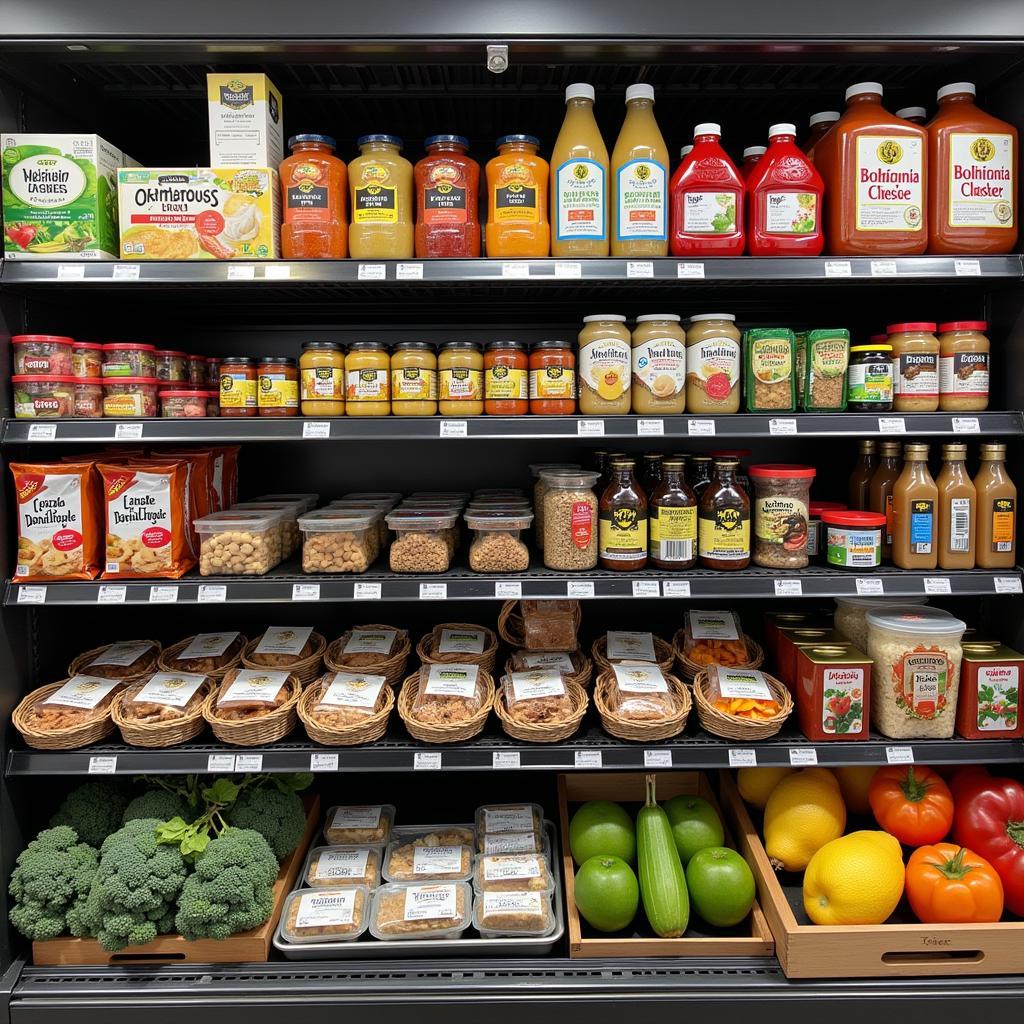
899	948
751	937
246	947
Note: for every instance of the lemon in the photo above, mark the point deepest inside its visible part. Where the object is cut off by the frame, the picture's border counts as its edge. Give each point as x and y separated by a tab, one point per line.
804	812
857	879
756	784
854	782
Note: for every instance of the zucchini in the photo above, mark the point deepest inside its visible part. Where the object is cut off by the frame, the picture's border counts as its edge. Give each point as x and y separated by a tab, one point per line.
660	871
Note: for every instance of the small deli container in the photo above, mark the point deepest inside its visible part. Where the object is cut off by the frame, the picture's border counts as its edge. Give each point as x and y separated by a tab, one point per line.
195	369
291	537
304	501
170	365
365	824
181	405
816	549
513	915
513	872
497	546
988	704
413	857
38	397
88	397
129	359
87	359
504	819
130	396
235	543
212	401
43	355
328	866
335	914
791	638
853	539
833	688
339	540
213	371
425	541
435	910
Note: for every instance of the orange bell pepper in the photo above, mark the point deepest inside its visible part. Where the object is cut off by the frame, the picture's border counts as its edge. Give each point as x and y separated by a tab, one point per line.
948	884
911	803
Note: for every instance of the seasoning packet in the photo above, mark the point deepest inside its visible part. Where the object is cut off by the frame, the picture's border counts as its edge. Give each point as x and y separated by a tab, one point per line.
826	362
769	366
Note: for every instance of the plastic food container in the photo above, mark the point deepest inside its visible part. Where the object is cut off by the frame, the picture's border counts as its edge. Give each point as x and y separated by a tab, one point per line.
815	546
212	402
851	615
368	824
88	398
781	496
502	819
41	397
130	396
87	359
339	541
328	866
170	365
183	404
513	842
129	359
508	914
435	910
43	355
239	543
304	501
291	536
425	540
513	872
394	497
335	914
440	855
378	509
853	540
497	546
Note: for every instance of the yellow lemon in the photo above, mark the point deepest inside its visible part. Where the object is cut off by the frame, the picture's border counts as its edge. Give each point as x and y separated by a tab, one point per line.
756	784
804	812
857	879
854	782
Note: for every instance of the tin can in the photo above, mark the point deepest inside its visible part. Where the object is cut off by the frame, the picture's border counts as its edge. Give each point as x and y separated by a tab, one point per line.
833	687
988	704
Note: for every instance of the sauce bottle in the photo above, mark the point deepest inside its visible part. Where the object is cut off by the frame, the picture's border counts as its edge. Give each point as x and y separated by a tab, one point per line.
640	171
622	521
380	186
579	180
915	115
996	546
875	167
723	522
914	501
698	474
673	519
447	191
651	473
784	197
517	201
314	200
860	478
890	465
707	199
820	125
957	503
972	205
751	157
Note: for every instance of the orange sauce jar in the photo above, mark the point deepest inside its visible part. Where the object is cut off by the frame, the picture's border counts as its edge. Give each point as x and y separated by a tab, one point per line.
506	367
314	200
517	199
552	378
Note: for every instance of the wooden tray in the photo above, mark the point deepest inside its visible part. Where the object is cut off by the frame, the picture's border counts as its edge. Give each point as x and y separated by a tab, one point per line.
888	950
750	938
246	947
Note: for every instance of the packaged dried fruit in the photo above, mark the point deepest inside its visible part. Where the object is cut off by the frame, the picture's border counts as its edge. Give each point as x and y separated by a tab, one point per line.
43	355
741	692
43	397
714	638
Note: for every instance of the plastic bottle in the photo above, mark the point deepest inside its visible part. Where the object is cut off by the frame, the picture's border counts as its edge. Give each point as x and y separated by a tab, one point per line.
751	157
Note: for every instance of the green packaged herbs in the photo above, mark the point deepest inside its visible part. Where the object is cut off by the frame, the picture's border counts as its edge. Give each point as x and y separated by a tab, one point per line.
770	366
826	358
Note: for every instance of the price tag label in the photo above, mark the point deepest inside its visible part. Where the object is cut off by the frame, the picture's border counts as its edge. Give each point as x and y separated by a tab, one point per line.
277	272
800	756
590	428
127	431
42	431
966	425
508	589
433	591
71	272
426	761
366	591
650	428
869	585
248	762
892	425
372	272
323	762
516	270
700	428
838	268
505	759
640	268
690	271
675	588
967	268
126	272
1007	584
409	272
899	755
163	594
31	595
102	765
241	273
742	758
937	585
646	588
211	593
776	426
108	594
788	588
305	591
580	588
316	429
454	428
220	763
588	759
883	268
657	758
565	269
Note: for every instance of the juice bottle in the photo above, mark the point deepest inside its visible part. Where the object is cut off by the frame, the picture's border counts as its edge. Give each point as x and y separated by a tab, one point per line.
640	171
820	125
974	177
685	151
996	546
751	157
915	500
314	200
579	180
958	500
447	192
916	115
707	200
517	202
784	197
875	168
380	183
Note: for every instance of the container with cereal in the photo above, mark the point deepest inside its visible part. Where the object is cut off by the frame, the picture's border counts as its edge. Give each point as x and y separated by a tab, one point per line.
424	541
438	910
239	543
442	855
339	540
342	865
335	914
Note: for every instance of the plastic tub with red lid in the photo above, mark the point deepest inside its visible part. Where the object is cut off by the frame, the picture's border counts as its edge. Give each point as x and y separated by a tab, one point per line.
814	532
129	359
42	355
853	540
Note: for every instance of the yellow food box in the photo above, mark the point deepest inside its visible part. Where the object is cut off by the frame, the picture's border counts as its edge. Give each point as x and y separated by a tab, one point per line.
199	213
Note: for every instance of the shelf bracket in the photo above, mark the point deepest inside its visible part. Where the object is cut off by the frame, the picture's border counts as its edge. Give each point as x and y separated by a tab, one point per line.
497	58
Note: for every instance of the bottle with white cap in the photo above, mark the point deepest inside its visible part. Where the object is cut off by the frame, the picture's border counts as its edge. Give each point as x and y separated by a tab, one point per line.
973	204
751	155
915	115
579	180
685	151
820	124
706	199
784	200
875	169
640	172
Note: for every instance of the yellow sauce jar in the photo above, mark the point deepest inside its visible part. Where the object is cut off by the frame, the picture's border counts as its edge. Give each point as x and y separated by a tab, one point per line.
461	379
322	379
367	379
414	379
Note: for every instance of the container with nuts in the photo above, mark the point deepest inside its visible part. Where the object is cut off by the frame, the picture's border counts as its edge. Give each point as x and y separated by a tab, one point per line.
538	469
497	546
290	511
425	540
339	540
239	543
570	519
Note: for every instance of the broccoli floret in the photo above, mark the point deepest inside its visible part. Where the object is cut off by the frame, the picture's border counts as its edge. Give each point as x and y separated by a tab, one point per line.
156	803
279	817
53	876
93	810
133	895
231	889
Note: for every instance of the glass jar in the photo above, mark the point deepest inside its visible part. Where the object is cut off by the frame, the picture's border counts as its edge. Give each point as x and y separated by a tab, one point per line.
659	365
88	397
380	186
781	496
915	367
552	378
622	521
723	520
87	359
314	200
129	359
414	379
447	190
713	364
238	387
570	520
517	199
870	383
461	379
196	366
213	370
506	388
277	386
43	355
538	469
604	365
322	379
367	379
963	366
170	365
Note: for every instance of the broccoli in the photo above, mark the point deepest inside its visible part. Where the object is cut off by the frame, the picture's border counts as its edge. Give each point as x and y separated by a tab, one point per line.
231	889
93	810
53	876
156	803
133	895
277	815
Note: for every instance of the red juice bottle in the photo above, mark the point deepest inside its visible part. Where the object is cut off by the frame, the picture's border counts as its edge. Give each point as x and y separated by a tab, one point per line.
751	158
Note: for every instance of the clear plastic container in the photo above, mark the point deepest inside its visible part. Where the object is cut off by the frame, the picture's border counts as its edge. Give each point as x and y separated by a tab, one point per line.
502	819
291	536
339	541
424	541
513	915
88	398
40	397
305	501
540	487
436	910
513	842
335	914
851	615
328	866
129	359
378	509
435	856
43	355
239	543
173	365
180	405
130	396
368	824
781	496
393	497
496	543
87	359
513	872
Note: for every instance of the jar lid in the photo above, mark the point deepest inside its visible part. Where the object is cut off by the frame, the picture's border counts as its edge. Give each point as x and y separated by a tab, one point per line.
327	346
552	343
193	393
864	88
878	602
685	150
755	151
176	353
91	345
109	382
824	115
323	140
914	325
647	317
598	317
391	140
195	358
815	508
39	378
579	90
458	140
908	112
421	346
277	361
928	621
640	91
955	88
47	339
536	468
237	361
871	348
781	471
712	316
781	129
363	346
130	346
851	517
518	345
707	128
461	344
570	478
529	140
964	325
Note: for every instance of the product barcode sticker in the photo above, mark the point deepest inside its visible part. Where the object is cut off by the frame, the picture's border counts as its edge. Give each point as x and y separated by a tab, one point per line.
568	269
640	268
102	765
277	272
505	759
454	428
241	272
1007	584
366	591
580	588
966	425
838	268
248	762
316	428
776	426
588	759
788	588
220	763
126	272
967	268
108	594
590	428
690	270
211	593
42	432
802	756
869	585
740	757
31	595
650	428
409	272
937	585
899	755
657	758
700	428
166	594
426	760
127	431
519	270
323	762
892	425
372	272
508	588
646	588
675	588
883	268
433	591
305	591
71	272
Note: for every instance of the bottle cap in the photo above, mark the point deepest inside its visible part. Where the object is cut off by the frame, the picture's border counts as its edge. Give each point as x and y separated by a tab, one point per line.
391	140
644	318
685	150
754	151
707	128
529	140
579	90
781	129
955	87
864	88
457	140
824	115
908	112
324	140
640	91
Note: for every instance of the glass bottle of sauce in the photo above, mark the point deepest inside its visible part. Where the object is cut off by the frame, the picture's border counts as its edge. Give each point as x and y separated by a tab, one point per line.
517	199
640	170
915	367
277	386
238	387
869	378
963	366
322	379
883	479
314	200
723	526
460	379
553	379
622	521
506	384
996	546
860	478
875	168
713	364
650	474
381	193
447	194
672	509
915	499
751	158
579	180
367	379
698	474
957	510
915	115
414	379
604	365
820	125
972	205
659	365
600	460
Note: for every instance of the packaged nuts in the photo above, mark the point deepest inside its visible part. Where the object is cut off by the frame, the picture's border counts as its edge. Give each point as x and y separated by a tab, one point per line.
421	544
339	541
496	546
239	543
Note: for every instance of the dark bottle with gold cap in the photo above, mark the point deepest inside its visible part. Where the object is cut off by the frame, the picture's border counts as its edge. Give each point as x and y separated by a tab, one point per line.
622	520
890	465
860	478
673	520
650	473
723	522
699	471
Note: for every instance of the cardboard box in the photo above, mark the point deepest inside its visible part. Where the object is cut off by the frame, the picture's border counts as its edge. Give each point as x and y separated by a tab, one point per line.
246	121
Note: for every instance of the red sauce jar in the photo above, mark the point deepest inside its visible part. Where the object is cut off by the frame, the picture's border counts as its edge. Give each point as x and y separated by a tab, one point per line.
833	692
278	386
505	379
447	190
552	378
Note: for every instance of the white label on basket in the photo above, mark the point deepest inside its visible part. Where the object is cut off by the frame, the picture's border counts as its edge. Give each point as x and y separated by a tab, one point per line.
409	272
127	431
426	761
646	588
123	654
883	268
207	645
210	593
220	763
462	641
437	860
83	692
248	762
588	759
341	864
743	684
799	756
784	426
700	428
788	588
433	591
175	689
515	270
742	757
650	428
370	641
1007	584
108	594
372	272
430	902
637	646
502	869
352	690
305	591
42	432
712	625
899	755
838	268
512	818
356	817
657	758
454	428
675	588
163	595
548	659
31	595
512	903
967	268
966	425
253	685
508	589
316	429
452	681
366	591
640	679
690	270
590	428
869	585
319	909
537	683
521	842
640	268
892	425
284	640
565	268
937	585
323	762
241	272
505	759
579	588
277	272
102	765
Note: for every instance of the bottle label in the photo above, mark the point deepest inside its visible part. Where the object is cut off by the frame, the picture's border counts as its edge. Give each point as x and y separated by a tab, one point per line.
725	535
237	391
888	519
462	383
444	200
922	526
960	524
580	193
622	535
1004	514
853	549
790	213
890	183
553	382
506	382
964	374
709	213
842	701
780	520
998	697
414	383
322	382
515	201
375	202
916	374
870	382
604	368
581	523
713	366
366	385
308	194
640	206
673	534
980	180
277	392
659	365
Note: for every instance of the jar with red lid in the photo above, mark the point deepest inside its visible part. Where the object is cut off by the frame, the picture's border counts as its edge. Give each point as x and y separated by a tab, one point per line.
88	397
447	190
196	370
87	359
238	387
506	368
42	355
278	386
815	548
213	371
988	702
963	366
781	496
170	364
552	378
853	539
131	397
177	404
915	367
129	359
833	692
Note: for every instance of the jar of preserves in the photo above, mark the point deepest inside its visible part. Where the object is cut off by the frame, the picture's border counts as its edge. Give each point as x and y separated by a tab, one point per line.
915	367
414	379
506	388
277	391
87	359
196	366
460	379
238	387
43	355
781	496
713	364
552	378
213	370
367	379
870	382
604	365
322	379
517	199
672	511
171	365
129	359
447	188
963	366
380	184
622	521
723	522
314	200
659	365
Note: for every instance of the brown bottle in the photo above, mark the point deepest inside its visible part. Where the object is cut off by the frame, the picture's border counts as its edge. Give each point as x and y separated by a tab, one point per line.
600	462
622	520
957	510
673	520
606	472
860	478
723	522
915	500
890	464
698	474
996	546
650	474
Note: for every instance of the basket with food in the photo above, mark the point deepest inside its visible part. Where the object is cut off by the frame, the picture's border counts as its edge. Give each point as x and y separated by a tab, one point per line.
162	711
342	709
124	660
541	625
298	649
446	703
641	702
375	648
741	703
459	642
575	666
211	654
540	705
253	706
618	646
66	715
714	638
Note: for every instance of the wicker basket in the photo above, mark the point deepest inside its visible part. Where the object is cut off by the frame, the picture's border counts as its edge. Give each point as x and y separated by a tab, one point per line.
392	667
536	732
455	733
510	624
662	651
262	729
79	663
690	669
158	734
729	726
486	660
170	654
629	729
371	728
58	739
582	676
305	670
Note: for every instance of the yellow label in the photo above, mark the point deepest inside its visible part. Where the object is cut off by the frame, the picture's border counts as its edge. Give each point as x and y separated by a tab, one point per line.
236	392
275	392
503	382
462	384
673	533
553	382
725	537
622	535
515	201
122	405
375	204
413	383
322	383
